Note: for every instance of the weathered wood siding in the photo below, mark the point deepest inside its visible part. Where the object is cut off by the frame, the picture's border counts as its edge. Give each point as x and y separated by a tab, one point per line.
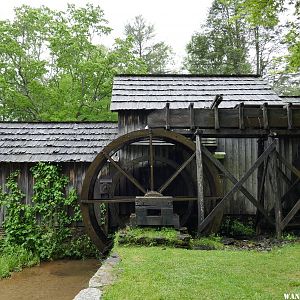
74	171
240	156
289	148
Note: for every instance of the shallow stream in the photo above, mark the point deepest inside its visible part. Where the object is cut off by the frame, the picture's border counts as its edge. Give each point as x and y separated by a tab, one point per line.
57	280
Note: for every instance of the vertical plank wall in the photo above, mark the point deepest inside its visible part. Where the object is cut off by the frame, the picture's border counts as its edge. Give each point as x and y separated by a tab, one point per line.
240	156
75	171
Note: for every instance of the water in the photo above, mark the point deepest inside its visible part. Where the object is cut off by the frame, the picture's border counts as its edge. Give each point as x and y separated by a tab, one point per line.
57	280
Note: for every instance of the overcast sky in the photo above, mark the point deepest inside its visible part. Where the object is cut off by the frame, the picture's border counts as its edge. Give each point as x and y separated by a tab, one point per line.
175	20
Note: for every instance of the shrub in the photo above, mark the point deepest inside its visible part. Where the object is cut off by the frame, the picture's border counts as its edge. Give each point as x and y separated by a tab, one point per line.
45	228
235	228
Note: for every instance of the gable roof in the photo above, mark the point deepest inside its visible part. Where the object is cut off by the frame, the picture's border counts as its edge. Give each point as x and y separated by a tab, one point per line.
135	92
54	142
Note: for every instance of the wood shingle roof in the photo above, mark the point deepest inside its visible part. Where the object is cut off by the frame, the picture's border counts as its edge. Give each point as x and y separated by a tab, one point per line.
135	92
54	142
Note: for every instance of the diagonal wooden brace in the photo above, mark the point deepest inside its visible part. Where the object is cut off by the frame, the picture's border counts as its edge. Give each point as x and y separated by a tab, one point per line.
126	174
284	197
290	215
288	165
238	185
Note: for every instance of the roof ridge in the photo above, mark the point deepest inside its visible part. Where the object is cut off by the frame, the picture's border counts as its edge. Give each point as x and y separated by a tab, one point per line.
188	75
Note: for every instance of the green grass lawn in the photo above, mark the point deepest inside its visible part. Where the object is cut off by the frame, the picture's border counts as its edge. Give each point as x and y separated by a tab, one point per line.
157	273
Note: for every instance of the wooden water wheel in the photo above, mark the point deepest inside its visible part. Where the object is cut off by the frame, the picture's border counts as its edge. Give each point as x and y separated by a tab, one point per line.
145	162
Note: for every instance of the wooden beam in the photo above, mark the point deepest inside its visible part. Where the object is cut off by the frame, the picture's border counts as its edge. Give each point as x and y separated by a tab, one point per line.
192	116
123	199
167	112
290	215
238	133
177	172
265	115
284	177
216	113
261	178
273	168
109	201
288	165
238	185
289	113
218	99
284	197
200	181
151	161
241	116
284	119
127	175
235	181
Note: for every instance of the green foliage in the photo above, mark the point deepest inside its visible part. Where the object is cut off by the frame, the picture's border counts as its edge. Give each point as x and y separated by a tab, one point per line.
232	42
293	42
235	228
289	237
14	258
80	247
262	13
221	47
267	14
155	55
19	224
147	236
52	71
212	242
46	227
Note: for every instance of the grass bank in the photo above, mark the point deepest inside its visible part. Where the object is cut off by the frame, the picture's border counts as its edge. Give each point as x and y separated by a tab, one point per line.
14	259
167	273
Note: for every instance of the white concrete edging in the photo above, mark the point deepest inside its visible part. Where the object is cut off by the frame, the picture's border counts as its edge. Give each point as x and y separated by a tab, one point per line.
103	277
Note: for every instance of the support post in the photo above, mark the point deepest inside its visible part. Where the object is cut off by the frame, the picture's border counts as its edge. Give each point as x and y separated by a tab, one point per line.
151	161
261	175
241	116
289	113
200	179
265	115
217	123
167	111
192	116
276	190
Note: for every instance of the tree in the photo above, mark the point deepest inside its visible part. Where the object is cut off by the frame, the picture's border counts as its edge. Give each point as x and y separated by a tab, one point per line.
52	70
221	46
262	13
293	42
155	55
267	14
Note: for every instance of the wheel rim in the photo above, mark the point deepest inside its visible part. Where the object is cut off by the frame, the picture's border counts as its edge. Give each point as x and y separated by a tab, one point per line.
94	230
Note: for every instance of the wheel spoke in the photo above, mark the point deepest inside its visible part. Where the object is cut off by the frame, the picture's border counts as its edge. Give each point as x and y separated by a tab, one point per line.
151	162
177	172
127	175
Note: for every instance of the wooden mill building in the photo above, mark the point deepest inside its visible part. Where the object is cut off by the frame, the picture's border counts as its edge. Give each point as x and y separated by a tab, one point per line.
135	97
179	104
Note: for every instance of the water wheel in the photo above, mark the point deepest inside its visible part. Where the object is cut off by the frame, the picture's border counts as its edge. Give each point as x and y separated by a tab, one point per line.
155	161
